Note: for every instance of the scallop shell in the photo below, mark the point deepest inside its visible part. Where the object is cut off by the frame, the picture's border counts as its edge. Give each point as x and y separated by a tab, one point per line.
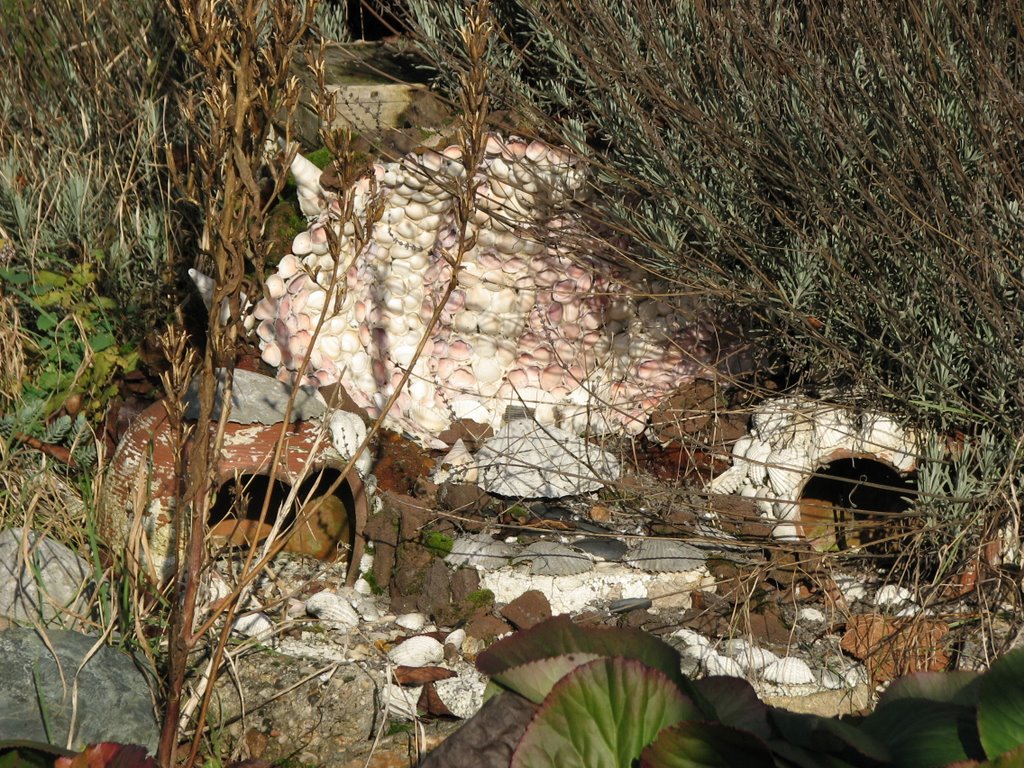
255	625
789	671
413	622
665	556
479	551
419	651
549	558
716	664
750	657
332	609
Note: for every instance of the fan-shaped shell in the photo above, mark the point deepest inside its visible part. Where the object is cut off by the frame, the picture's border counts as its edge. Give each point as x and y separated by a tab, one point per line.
419	651
550	558
665	556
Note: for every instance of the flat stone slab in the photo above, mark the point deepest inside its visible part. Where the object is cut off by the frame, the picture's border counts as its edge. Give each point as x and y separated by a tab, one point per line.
112	693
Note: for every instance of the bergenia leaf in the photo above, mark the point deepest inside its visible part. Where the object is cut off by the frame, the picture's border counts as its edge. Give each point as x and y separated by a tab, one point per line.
602	715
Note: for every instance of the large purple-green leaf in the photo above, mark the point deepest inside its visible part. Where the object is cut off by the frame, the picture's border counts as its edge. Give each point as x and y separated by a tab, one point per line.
696	744
925	734
951	687
535	679
735	703
1001	705
559	636
829	736
602	715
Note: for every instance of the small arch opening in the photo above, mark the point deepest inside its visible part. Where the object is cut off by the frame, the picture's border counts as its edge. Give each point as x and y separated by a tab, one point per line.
326	521
857	503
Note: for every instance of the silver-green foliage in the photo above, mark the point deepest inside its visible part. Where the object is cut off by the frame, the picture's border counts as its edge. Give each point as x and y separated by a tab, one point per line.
846	178
85	103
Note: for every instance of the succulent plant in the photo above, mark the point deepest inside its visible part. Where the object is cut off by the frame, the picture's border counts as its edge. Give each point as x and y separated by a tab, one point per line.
612	697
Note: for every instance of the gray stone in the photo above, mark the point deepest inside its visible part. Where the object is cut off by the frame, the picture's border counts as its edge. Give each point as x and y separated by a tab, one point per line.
48	586
306	710
109	698
258	399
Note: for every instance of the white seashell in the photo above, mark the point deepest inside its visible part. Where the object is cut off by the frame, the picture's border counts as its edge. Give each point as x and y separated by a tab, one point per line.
549	558
525	459
419	651
688	638
716	664
748	656
455	639
479	551
892	595
852	589
413	622
333	609
348	431
665	556
789	671
811	615
457	466
255	625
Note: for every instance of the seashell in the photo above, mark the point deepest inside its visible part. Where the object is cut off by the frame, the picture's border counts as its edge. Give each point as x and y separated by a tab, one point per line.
413	622
789	671
750	657
716	664
255	625
665	556
479	551
333	609
272	355
524	459
419	651
549	558
455	639
891	595
457	466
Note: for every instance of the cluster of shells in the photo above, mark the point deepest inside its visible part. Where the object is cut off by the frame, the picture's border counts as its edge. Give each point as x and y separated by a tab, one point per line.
538	317
791	438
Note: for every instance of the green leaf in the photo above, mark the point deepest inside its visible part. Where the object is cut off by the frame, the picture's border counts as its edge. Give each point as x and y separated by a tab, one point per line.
735	703
534	680
559	636
101	341
1001	705
47	321
925	734
601	715
825	735
20	753
951	687
15	277
698	744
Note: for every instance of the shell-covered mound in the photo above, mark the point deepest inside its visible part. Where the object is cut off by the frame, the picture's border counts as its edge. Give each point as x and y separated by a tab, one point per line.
539	316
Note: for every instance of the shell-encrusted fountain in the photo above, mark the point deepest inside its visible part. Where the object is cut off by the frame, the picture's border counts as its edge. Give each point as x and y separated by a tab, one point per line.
538	317
794	440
